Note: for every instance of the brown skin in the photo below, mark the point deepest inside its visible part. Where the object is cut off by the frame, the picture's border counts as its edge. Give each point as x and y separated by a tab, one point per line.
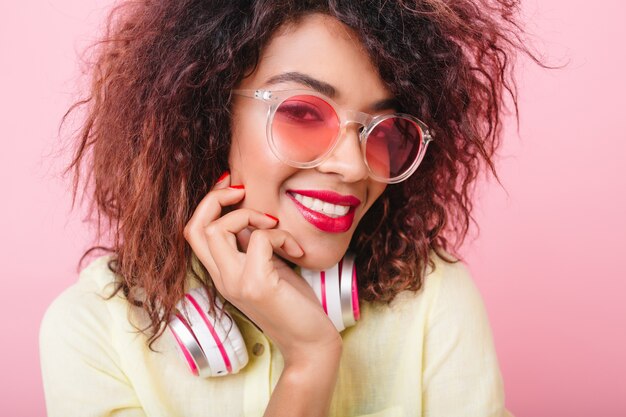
159	115
238	246
328	51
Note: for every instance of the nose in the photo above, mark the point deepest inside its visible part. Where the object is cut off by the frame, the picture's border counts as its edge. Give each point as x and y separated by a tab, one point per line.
347	158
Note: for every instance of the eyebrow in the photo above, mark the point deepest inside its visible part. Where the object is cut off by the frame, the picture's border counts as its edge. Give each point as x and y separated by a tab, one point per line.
325	88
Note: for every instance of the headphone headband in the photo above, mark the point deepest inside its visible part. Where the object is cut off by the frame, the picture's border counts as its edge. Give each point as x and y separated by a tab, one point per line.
209	349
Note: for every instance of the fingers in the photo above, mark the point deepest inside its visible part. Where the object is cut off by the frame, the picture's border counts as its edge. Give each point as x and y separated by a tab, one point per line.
263	244
221	240
243	238
222	182
247	277
213	237
209	209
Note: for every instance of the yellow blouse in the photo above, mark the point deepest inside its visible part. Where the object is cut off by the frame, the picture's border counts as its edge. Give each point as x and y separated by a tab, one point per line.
429	353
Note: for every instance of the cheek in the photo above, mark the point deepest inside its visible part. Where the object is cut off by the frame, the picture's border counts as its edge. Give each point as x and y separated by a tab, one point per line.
248	142
248	152
375	190
253	164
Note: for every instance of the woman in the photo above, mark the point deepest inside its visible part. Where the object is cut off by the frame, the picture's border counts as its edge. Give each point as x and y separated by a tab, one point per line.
233	146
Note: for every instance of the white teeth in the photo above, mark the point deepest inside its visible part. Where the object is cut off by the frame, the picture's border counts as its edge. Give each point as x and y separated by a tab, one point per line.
315	204
318	205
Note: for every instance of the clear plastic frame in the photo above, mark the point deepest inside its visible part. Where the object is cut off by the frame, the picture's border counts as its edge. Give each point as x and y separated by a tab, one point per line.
344	117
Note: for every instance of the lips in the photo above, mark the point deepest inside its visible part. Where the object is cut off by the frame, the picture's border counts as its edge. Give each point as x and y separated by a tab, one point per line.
313	203
329	196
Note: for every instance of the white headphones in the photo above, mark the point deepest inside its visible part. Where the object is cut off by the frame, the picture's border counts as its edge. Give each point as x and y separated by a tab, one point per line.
201	337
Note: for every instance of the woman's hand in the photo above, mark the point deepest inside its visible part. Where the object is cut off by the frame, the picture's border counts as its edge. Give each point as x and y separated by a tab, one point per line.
258	282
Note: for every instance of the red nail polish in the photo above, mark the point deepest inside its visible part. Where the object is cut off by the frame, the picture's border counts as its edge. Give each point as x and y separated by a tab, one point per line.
238	186
272	217
224	175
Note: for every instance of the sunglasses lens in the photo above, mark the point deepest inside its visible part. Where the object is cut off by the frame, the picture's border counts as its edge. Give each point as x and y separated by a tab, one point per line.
392	146
304	127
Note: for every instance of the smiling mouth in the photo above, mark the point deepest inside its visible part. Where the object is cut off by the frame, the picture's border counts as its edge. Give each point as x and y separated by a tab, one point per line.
320	206
326	210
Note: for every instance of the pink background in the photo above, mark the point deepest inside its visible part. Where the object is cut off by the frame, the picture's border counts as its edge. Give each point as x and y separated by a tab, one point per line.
546	260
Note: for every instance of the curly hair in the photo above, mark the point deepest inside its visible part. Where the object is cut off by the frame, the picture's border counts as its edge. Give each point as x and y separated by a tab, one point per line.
157	129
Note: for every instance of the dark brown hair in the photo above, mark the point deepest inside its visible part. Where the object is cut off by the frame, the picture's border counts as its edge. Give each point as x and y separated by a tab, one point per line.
157	129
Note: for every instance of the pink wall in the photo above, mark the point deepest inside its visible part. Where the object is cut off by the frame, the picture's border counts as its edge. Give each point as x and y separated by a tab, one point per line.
545	260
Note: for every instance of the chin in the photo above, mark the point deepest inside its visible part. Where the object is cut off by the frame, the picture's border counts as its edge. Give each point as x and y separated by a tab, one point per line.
319	261
321	251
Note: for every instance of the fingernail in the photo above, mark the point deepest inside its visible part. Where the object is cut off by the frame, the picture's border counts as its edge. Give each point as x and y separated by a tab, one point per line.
272	217
224	175
238	186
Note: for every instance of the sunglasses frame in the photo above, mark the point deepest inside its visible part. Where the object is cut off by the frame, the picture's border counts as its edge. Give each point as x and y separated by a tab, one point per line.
274	98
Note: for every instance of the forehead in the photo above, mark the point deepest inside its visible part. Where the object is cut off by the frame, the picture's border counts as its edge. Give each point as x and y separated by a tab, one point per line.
323	48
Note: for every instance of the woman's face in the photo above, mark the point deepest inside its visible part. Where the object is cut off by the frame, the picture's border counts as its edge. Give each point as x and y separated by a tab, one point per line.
323	49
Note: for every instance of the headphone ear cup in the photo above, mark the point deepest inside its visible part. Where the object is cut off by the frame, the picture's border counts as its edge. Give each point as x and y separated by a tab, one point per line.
208	347
187	344
349	292
336	289
330	289
227	331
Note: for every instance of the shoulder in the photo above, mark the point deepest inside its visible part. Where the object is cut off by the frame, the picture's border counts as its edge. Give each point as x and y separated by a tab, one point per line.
461	372
81	310
81	348
455	302
445	282
454	287
448	303
447	299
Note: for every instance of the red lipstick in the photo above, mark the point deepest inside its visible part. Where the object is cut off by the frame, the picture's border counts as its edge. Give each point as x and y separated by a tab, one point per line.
329	196
322	221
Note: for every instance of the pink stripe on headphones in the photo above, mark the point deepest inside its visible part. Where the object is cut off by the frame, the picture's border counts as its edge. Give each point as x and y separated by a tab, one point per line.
218	342
188	357
323	289
355	295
